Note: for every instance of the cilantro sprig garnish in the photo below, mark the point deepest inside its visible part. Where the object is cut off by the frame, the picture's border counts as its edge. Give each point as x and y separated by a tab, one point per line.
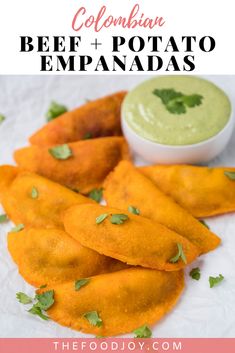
143	332
101	218
116	218
2	118
93	318
34	193
96	194
134	210
214	281
177	102
195	273
61	152
23	298
17	228
3	218
230	175
55	109
81	283
180	255
41	302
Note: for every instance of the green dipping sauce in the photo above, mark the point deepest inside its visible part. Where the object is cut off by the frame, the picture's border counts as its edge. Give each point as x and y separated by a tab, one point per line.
149	117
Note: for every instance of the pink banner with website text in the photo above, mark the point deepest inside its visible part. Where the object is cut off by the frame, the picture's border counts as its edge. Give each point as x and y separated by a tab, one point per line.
118	345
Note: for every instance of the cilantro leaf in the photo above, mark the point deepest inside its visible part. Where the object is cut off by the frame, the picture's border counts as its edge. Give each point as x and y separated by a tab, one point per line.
166	95
118	218
34	193
45	299
61	152
36	310
17	228
215	280
93	318
192	100
96	194
177	102
87	136
134	210
179	255
43	286
230	175
195	273
23	298
143	332
2	118
101	218
204	223
176	107
80	283
55	110
3	218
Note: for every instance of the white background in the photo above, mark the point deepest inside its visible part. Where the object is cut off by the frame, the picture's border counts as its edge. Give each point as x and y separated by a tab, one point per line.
201	311
54	17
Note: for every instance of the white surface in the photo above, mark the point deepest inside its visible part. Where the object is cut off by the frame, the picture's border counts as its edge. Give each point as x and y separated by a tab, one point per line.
201	311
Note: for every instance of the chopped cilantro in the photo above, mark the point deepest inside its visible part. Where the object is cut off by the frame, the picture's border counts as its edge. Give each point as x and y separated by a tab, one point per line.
45	299
61	152
93	318
17	228
3	218
215	280
36	310
23	298
80	283
101	218
143	332
34	193
179	255
96	194
134	210
2	118
55	110
230	175
42	302
195	273
118	218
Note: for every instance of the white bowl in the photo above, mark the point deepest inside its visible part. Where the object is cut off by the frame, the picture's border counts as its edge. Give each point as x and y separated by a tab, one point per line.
168	154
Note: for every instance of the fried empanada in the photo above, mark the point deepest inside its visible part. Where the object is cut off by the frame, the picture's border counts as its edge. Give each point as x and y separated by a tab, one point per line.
126	186
43	209
7	174
50	256
118	302
137	241
203	191
97	118
84	170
